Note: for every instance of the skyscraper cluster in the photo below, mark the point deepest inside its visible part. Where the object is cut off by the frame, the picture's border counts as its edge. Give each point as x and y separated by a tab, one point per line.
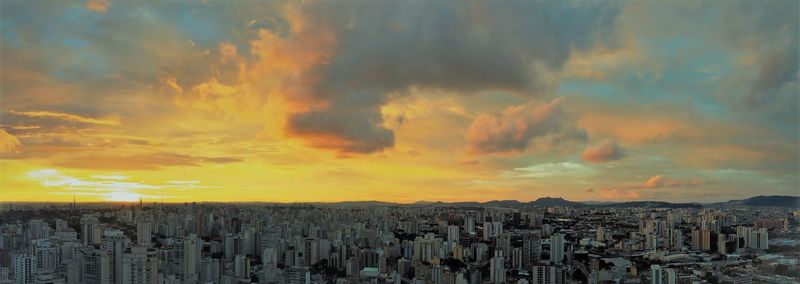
363	243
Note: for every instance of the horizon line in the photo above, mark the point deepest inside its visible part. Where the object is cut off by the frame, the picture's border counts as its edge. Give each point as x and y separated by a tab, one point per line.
418	202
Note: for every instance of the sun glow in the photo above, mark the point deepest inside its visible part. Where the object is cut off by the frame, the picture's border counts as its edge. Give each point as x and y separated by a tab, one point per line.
122	196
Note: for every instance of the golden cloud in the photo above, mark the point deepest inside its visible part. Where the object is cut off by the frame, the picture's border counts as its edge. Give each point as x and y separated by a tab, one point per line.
8	142
67	117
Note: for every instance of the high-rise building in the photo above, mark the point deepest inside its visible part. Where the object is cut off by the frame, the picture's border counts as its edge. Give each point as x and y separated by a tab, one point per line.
705	240
24	269
531	248
95	267
143	232
701	239
188	250
469	225
229	246
47	256
670	276
676	239
516	258
548	274
487	231
114	244
241	266
557	248
89	225
139	265
249	240
601	234
656	274
758	239
497	228
497	270
452	233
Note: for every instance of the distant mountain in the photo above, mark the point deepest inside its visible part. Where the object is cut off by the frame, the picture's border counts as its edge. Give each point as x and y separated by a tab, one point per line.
650	204
773	200
359	203
502	203
593	203
779	201
555	201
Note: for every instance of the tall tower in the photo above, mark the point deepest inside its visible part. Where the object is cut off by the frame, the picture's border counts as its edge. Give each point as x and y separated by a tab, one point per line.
557	248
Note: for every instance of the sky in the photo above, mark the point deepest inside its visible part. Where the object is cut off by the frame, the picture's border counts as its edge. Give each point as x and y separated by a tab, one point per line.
298	101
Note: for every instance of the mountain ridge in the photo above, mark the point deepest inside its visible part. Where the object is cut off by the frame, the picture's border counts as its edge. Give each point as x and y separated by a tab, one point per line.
760	200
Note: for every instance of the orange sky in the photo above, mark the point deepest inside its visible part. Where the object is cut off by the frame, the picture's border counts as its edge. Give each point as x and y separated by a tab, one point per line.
394	101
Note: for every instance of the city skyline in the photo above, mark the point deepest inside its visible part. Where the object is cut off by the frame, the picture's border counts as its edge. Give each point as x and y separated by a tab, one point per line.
679	101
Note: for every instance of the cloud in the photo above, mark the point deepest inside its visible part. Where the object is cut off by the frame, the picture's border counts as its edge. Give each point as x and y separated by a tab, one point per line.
777	68
110	177
571	169
774	84
648	187
351	129
98	5
333	67
149	161
227	52
8	143
66	117
172	82
618	194
603	151
515	128
658	181
654	182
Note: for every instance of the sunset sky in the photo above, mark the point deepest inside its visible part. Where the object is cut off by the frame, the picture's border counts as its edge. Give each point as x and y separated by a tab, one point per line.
398	101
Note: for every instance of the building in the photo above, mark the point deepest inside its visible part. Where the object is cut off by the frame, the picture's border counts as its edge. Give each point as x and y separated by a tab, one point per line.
143	233
90	230
114	243
452	233
557	248
656	274
548	274
24	269
95	267
497	270
670	276
139	265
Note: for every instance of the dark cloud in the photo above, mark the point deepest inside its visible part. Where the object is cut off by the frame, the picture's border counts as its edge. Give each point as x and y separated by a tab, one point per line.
769	33
388	47
777	68
603	151
353	124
